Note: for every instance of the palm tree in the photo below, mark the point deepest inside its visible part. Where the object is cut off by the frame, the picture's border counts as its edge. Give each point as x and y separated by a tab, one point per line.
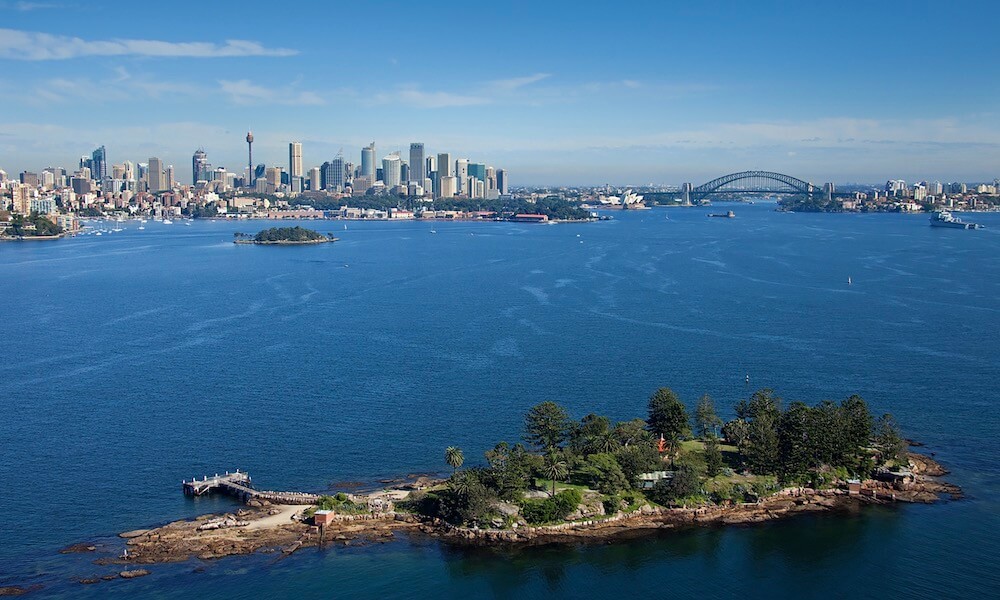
608	442
555	469
453	456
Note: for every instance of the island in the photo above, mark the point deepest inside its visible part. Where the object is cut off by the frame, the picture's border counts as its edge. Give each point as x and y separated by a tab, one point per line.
31	227
578	480
284	236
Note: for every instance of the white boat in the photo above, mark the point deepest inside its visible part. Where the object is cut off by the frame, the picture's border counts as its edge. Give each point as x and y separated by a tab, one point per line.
167	222
141	227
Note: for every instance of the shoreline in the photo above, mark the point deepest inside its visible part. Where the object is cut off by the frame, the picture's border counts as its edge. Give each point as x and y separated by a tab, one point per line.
284	242
282	530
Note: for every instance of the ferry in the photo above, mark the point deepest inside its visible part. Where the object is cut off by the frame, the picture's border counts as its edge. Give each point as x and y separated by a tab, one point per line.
726	215
943	218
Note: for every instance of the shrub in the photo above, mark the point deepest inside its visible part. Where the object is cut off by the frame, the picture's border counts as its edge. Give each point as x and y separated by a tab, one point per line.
550	510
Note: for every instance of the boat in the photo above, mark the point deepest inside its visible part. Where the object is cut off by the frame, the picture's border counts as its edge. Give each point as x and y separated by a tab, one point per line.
141	228
167	222
727	215
943	218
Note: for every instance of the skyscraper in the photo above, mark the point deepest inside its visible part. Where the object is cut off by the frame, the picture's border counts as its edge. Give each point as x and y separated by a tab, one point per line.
168	177
314	178
199	166
503	184
391	166
368	161
154	176
295	159
336	174
444	166
417	172
99	164
462	174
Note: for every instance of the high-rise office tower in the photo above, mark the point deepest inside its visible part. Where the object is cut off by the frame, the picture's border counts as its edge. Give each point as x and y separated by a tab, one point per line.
462	175
417	165
430	165
154	175
391	167
503	184
368	161
295	159
314	179
336	174
444	166
199	166
168	177
99	164
129	171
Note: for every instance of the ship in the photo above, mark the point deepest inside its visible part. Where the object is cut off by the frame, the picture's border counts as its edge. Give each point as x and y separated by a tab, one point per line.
726	215
943	218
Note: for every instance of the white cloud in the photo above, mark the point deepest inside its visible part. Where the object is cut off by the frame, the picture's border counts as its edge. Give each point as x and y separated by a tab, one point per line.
245	92
414	97
29	45
517	82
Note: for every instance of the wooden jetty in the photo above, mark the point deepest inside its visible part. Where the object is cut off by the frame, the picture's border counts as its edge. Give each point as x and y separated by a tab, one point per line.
240	485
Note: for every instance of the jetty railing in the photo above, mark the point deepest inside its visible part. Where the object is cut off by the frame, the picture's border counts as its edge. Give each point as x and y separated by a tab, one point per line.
239	484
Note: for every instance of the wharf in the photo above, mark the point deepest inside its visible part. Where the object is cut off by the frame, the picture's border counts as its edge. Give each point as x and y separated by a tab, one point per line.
240	485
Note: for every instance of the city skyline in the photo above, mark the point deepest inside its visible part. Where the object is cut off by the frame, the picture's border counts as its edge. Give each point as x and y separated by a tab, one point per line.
658	94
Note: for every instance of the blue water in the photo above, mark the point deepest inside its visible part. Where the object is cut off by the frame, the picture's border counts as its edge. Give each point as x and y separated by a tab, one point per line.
132	360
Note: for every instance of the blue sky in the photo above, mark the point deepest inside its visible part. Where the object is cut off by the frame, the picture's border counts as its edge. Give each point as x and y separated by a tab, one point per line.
556	92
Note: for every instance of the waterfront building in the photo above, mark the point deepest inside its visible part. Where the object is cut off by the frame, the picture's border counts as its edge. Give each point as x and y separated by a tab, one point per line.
391	170
154	175
295	159
417	165
368	162
43	206
199	166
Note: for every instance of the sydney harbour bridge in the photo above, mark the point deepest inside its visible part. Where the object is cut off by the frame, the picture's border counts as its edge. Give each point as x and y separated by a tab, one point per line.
752	182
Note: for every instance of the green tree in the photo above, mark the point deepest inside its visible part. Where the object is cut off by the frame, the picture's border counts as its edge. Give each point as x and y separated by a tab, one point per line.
796	456
684	483
736	433
713	457
706	418
555	469
762	453
453	456
888	439
637	459
606	474
667	416
634	432
857	427
546	426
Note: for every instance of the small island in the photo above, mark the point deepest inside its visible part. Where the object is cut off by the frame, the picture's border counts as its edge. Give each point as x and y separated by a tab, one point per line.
278	236
31	227
587	479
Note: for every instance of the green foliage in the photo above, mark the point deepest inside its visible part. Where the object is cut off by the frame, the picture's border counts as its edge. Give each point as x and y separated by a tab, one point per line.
546	426
553	509
467	500
888	439
605	474
555	468
288	234
340	503
31	226
634	432
684	483
509	470
636	459
454	457
713	457
762	448
737	433
705	417
592	435
667	416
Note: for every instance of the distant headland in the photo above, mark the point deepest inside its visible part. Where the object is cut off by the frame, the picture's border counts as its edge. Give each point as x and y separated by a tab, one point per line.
283	236
576	480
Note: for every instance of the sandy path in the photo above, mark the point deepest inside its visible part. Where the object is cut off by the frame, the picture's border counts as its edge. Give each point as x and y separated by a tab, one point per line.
283	517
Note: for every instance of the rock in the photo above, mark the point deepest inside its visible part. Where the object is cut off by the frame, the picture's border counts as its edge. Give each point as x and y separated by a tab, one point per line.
90	581
133	534
133	573
111	577
507	509
78	548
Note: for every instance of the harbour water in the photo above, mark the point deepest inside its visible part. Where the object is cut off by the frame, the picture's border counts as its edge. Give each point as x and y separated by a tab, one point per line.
136	359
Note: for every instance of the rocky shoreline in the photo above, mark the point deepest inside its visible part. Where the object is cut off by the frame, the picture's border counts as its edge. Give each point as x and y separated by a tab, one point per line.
282	530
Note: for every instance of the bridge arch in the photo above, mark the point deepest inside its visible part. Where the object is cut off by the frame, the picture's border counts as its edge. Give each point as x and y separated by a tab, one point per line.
753	182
